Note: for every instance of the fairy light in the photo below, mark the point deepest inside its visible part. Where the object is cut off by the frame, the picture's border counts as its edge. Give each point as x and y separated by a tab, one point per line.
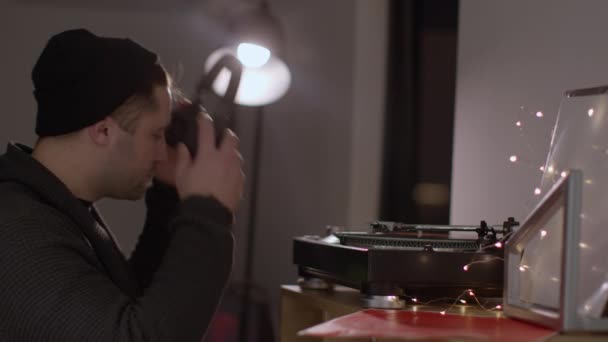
518	124
539	114
498	244
564	173
457	301
588	181
513	158
542	169
543	233
550	169
537	191
522	269
468	266
590	112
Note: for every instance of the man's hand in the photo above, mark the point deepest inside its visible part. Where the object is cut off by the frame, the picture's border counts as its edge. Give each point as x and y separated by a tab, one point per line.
215	171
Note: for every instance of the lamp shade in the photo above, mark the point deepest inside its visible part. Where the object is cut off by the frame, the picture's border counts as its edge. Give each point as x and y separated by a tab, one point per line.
257	41
260	85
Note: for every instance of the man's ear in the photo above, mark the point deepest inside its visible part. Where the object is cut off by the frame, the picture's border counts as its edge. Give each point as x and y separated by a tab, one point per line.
103	131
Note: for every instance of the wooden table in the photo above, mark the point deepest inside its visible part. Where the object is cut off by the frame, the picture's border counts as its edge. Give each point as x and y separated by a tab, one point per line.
301	309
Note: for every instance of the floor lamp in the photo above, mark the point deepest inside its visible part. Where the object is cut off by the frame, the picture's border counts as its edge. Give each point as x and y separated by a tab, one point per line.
258	45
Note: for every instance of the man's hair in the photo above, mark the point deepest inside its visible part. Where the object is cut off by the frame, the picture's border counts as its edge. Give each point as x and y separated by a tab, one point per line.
128	113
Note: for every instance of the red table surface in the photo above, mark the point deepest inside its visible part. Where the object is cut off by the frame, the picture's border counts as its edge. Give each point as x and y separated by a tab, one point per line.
426	325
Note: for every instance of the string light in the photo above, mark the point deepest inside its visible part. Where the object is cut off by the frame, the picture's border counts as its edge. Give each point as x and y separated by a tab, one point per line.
529	155
467	266
590	112
457	301
462	301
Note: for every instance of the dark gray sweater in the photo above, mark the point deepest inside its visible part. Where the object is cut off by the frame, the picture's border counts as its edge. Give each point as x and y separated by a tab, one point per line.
62	278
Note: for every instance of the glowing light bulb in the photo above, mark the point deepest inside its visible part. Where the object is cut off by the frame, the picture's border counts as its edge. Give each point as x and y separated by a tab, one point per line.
522	269
588	181
590	112
498	307
583	245
463	301
554	279
539	114
466	268
537	191
543	233
471	293
551	169
518	124
513	158
252	55
414	300
564	173
498	244
442	313
542	168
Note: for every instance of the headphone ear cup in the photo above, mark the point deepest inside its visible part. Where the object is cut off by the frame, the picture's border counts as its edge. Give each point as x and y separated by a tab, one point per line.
184	128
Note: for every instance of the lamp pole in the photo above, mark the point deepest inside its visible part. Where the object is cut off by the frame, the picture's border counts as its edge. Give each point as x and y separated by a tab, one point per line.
252	224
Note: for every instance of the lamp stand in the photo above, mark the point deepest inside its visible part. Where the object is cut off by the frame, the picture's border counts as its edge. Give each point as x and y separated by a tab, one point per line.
252	223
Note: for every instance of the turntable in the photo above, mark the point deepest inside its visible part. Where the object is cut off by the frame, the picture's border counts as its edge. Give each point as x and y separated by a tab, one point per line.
393	261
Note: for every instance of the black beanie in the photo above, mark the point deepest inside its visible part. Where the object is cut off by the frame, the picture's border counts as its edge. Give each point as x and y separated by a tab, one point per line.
81	78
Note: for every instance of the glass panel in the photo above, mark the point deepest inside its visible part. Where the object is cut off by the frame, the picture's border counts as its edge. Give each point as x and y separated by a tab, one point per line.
580	141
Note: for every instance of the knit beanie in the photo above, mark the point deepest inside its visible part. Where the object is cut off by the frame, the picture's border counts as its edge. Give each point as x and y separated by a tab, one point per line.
81	78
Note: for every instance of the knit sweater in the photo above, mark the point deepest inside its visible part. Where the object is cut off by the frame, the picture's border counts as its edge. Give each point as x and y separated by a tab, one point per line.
62	278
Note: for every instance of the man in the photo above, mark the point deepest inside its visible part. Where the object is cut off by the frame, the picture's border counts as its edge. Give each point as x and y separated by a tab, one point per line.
103	107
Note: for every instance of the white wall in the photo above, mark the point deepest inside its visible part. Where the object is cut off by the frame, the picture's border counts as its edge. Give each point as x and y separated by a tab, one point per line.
513	54
311	136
